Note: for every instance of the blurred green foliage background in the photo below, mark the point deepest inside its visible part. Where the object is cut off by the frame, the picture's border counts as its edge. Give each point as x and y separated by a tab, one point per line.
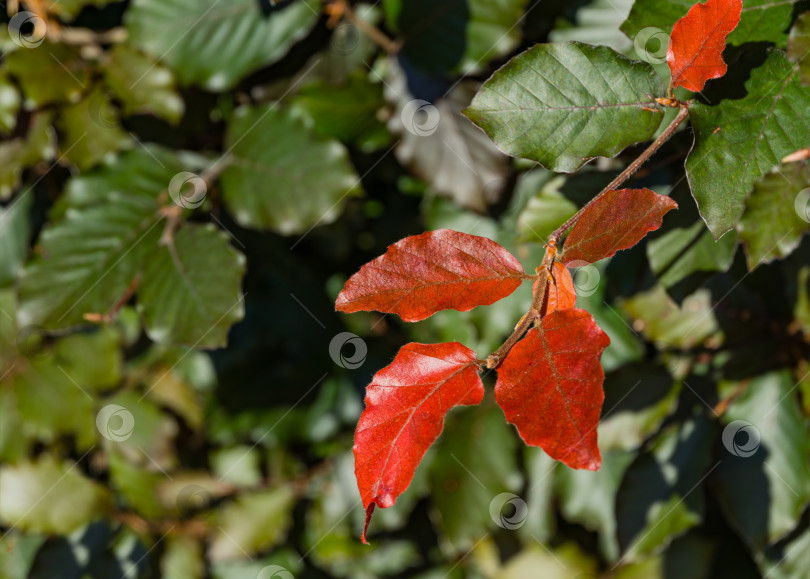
186	185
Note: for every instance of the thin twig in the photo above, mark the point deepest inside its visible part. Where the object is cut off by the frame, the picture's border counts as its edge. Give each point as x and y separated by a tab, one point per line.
628	172
544	271
375	34
539	296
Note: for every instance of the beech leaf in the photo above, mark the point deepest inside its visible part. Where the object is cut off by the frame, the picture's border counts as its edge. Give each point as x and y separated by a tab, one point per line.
563	104
437	270
550	387
406	403
619	220
695	52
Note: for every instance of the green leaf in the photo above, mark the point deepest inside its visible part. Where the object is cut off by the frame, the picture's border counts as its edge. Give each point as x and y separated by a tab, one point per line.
48	74
142	85
15	236
598	23
798	47
787	561
638	397
190	292
132	424
52	403
545	211
474	466
669	325
49	496
17	553
215	44
251	523
347	112
682	251
760	21
91	130
87	261
93	359
739	141
182	559
10	100
22	152
657	500
589	497
540	520
97	239
135	486
777	214
562	104
767	448
684	246
492	32
625	345
283	176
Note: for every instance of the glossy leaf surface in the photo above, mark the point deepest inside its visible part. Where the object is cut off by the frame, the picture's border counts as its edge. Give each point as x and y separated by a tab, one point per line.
406	403
437	270
617	221
695	52
550	387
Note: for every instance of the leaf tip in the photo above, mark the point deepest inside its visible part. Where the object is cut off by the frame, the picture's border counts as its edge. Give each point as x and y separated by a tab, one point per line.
369	512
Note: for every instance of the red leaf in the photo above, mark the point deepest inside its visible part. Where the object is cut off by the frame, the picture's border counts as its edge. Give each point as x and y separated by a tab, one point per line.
550	387
437	270
695	52
406	403
561	294
619	220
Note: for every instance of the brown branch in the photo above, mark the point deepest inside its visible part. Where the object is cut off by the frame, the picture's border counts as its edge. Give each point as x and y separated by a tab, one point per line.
544	271
539	296
375	34
628	172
